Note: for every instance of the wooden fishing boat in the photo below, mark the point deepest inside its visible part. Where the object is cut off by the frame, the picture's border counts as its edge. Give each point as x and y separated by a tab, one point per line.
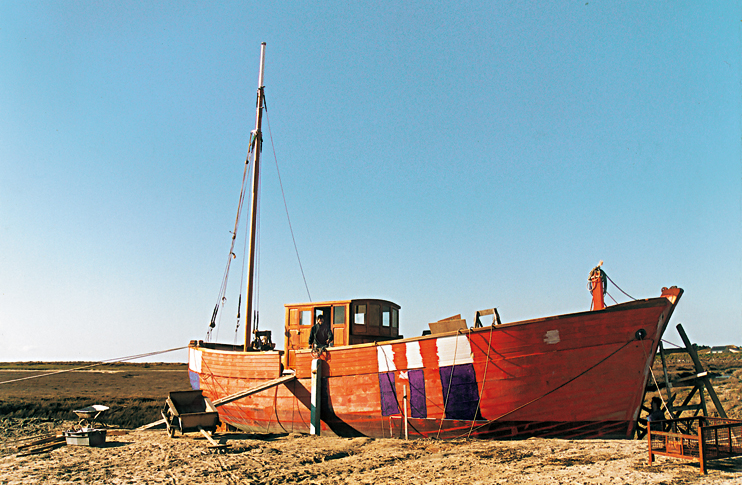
575	375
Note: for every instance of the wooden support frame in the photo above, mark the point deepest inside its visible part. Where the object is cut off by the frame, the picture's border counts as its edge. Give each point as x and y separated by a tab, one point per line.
702	375
700	383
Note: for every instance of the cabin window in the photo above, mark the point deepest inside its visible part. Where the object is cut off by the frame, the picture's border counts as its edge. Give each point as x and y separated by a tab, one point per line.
306	318
339	318
395	318
360	316
386	316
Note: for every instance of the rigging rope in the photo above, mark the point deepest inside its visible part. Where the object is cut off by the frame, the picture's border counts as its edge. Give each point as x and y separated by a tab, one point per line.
242	282
448	392
215	382
484	377
248	318
619	289
674	345
121	359
285	205
223	289
656	385
256	287
221	299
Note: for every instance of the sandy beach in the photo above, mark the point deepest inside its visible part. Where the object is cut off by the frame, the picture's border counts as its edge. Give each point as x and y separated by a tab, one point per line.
134	457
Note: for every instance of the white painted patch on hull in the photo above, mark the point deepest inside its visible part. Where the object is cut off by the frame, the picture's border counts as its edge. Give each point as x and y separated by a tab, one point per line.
414	357
454	350
194	360
385	356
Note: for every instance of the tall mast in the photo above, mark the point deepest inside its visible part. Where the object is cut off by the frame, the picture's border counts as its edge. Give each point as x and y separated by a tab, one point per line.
257	141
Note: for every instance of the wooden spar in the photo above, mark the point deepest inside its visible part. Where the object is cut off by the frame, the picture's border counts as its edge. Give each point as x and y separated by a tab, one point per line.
255	183
150	425
214	443
253	390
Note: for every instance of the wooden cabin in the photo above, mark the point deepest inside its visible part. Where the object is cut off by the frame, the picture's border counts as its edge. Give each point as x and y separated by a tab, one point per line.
353	322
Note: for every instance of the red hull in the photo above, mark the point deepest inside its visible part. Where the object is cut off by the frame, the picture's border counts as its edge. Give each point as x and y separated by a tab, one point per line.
579	375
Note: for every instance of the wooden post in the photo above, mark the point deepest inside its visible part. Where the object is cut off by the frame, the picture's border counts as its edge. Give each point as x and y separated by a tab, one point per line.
314	420
701	450
668	384
699	369
649	442
729	438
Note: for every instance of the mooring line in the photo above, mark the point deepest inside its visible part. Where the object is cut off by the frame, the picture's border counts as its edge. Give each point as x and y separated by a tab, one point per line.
121	359
484	378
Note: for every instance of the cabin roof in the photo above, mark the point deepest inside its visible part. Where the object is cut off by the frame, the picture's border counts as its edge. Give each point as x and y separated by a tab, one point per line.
341	302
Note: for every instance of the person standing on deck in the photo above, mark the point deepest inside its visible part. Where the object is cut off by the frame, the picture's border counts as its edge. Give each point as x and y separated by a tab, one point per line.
321	334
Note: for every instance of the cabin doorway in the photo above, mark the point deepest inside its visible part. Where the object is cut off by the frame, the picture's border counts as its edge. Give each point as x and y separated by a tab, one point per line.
325	311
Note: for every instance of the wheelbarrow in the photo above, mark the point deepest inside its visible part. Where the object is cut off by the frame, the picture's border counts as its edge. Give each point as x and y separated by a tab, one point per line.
188	411
88	415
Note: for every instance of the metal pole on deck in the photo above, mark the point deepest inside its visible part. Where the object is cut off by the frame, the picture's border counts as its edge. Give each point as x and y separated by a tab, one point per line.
314	420
404	395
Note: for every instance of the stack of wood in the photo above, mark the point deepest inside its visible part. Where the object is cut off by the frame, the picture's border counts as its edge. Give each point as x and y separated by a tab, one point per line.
43	444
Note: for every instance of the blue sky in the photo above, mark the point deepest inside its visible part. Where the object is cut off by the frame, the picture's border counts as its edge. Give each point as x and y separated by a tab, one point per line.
447	156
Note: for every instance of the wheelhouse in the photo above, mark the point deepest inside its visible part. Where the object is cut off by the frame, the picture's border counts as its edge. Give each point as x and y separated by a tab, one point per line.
353	322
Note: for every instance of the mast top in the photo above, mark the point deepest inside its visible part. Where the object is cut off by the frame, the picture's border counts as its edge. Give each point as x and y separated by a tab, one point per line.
262	64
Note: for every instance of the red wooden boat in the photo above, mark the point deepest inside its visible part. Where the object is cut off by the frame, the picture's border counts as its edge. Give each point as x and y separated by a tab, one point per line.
576	375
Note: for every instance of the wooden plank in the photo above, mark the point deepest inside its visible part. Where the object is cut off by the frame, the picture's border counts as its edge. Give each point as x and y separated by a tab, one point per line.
57	443
211	440
42	441
448	325
254	390
151	425
691	407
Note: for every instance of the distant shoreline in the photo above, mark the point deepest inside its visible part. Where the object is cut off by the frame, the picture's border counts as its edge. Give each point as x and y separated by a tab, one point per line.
92	366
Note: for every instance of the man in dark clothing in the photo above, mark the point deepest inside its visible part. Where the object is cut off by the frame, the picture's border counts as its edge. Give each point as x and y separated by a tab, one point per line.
321	334
657	414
